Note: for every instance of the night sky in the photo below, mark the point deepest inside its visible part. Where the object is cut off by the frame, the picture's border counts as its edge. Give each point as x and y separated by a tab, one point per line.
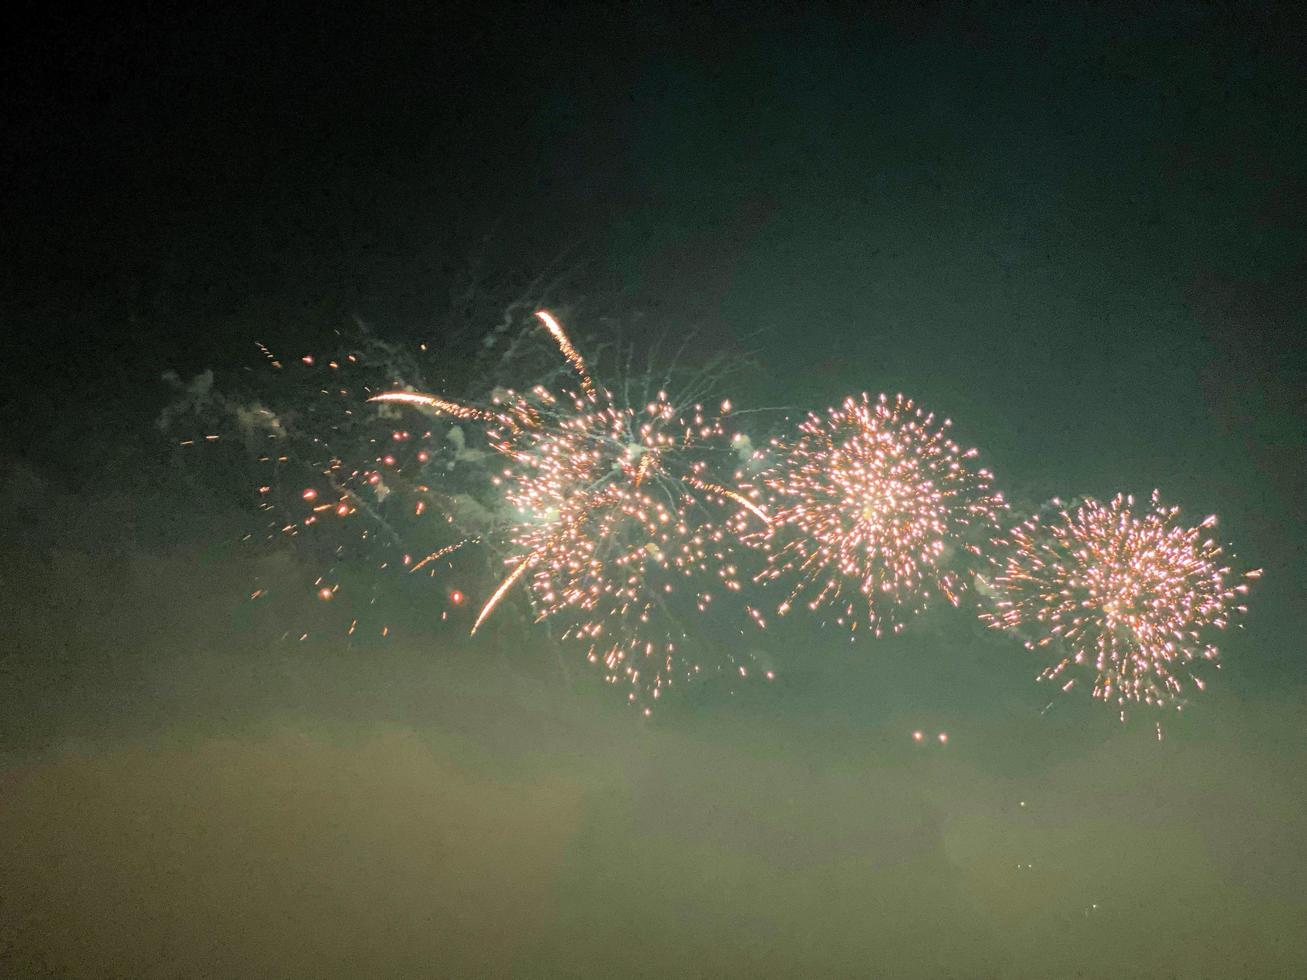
1078	230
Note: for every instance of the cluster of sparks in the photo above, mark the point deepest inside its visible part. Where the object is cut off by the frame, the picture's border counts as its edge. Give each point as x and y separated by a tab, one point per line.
871	501
622	530
623	523
1127	600
363	499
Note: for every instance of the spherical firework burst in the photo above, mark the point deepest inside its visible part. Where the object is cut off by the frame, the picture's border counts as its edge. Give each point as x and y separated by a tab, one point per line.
619	529
872	505
1128	600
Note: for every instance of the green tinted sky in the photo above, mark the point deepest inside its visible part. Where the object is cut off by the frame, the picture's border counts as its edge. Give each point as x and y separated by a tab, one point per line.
1079	230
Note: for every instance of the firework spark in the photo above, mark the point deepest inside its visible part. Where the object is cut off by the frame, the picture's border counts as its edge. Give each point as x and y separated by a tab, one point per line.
1128	599
871	504
732	495
442	406
504	588
570	353
441	553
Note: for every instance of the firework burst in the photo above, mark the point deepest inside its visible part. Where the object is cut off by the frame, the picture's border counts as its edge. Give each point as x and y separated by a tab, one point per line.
1128	600
624	517
873	506
625	520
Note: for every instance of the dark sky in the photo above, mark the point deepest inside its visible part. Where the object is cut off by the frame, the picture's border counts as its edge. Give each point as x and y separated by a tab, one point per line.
1080	230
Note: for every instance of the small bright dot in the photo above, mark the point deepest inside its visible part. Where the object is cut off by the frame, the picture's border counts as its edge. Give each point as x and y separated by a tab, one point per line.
310	494
918	736
456	597
324	594
943	738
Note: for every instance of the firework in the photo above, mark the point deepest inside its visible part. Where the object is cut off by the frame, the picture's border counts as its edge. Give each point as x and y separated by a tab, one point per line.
625	517
872	506
1128	600
624	520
